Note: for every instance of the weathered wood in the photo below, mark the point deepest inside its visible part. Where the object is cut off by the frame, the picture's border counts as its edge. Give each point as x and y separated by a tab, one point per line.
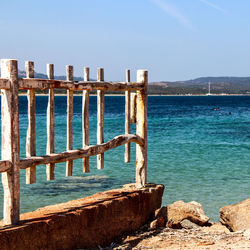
141	129
10	142
85	121
5	166
69	164
50	124
100	118
127	118
4	83
133	108
80	153
44	84
31	131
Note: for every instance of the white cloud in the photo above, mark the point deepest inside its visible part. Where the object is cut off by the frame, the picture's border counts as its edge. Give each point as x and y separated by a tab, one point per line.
173	12
213	6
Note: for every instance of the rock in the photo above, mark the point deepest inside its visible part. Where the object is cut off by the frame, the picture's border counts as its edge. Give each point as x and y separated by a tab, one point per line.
216	228
247	234
187	224
160	212
236	217
159	222
179	211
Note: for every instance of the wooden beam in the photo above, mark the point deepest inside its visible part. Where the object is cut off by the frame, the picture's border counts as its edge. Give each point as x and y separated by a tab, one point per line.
10	142
4	83
50	125
127	118
31	132
100	118
44	84
69	164
80	153
85	121
5	166
141	129
133	108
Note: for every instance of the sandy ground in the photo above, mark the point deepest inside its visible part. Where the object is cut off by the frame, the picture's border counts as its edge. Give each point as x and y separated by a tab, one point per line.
166	238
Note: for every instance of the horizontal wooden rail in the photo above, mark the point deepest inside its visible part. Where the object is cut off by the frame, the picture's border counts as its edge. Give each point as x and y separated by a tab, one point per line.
5	166
80	153
4	83
28	83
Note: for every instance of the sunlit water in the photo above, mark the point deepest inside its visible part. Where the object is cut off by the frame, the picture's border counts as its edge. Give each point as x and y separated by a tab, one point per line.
198	153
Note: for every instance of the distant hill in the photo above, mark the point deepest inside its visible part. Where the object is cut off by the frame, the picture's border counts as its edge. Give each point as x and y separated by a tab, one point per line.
22	74
219	85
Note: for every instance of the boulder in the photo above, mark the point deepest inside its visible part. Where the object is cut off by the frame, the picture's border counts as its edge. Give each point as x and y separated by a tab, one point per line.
159	222
179	211
187	224
247	234
236	217
160	212
216	228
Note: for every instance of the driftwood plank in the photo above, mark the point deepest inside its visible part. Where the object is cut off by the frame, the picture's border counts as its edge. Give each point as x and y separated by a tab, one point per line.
141	129
10	142
127	118
100	118
50	125
44	84
69	164
31	132
85	121
80	153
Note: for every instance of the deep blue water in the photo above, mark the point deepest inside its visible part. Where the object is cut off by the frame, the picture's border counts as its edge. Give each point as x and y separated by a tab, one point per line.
199	152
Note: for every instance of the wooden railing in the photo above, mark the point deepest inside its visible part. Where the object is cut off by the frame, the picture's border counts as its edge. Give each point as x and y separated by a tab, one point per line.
11	163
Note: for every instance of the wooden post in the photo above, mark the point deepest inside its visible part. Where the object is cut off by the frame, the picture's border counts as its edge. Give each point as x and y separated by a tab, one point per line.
127	118
141	129
50	125
69	164
10	142
100	118
31	132
133	108
85	121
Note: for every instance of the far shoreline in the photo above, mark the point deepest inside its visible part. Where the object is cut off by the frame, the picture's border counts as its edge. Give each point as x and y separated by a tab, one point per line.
38	94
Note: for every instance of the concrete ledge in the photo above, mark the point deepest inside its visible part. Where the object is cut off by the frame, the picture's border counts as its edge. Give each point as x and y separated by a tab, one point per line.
84	223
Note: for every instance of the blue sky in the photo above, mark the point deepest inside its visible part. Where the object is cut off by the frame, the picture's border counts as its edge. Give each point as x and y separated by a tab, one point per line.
173	39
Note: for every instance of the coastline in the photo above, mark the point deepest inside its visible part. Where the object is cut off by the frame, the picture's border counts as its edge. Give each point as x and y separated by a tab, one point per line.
80	94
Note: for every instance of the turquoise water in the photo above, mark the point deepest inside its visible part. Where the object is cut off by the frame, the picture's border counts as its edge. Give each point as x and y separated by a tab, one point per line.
197	151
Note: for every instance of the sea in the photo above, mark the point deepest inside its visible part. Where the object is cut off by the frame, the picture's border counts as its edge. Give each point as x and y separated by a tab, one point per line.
198	148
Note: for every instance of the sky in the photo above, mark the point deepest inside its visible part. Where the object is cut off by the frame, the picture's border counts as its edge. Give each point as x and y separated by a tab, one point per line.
172	39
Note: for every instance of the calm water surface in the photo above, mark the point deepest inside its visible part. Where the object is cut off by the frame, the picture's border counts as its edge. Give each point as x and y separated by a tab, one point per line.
197	150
